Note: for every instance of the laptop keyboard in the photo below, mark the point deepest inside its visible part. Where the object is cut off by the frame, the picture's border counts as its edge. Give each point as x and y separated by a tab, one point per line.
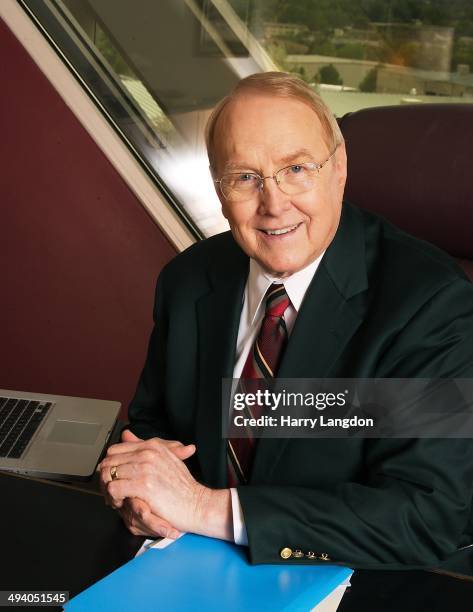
19	419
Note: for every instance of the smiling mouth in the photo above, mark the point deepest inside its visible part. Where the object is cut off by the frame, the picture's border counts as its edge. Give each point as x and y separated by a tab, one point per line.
281	231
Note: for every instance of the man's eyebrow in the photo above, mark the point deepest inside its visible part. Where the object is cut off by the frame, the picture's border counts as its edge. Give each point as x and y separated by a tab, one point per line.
285	160
233	166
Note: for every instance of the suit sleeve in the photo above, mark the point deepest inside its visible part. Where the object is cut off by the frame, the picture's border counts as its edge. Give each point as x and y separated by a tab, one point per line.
146	412
413	503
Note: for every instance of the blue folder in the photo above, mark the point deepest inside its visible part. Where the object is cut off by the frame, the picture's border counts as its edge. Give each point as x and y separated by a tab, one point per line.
198	573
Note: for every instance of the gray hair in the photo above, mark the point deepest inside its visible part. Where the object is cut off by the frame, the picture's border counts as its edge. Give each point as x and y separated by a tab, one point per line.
283	85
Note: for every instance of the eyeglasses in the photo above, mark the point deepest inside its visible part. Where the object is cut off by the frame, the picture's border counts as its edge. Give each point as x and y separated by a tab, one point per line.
291	180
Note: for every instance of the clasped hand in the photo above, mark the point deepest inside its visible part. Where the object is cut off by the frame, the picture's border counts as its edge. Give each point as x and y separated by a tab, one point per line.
154	491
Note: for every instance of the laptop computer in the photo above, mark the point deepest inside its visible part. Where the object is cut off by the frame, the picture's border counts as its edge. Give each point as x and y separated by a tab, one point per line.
53	436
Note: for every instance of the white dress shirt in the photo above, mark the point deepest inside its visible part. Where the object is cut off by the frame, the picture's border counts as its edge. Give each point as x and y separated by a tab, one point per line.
250	321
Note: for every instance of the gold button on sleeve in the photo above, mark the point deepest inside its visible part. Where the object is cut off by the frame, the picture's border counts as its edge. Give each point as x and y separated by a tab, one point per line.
285	553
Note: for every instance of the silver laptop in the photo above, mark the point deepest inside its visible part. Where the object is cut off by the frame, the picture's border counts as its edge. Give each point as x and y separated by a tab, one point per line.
52	436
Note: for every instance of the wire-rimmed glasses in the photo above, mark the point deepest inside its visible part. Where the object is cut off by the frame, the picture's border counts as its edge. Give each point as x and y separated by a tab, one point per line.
291	180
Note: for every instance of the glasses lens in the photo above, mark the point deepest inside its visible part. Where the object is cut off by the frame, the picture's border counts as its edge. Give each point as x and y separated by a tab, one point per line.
239	186
296	179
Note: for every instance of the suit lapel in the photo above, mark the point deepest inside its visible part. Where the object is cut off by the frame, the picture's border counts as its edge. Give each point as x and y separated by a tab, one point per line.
328	318
218	315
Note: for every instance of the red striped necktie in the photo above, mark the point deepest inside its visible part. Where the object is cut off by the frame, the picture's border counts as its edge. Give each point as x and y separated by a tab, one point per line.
262	362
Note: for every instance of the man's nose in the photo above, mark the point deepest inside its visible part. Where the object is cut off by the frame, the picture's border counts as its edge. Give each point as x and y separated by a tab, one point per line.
272	201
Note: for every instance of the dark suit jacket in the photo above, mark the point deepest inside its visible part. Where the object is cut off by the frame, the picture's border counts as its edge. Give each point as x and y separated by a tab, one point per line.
381	304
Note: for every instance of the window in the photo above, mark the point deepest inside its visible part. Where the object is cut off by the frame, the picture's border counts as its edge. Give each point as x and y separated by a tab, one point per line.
156	69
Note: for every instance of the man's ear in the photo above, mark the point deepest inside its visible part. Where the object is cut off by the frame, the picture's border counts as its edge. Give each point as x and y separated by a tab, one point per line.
341	164
214	175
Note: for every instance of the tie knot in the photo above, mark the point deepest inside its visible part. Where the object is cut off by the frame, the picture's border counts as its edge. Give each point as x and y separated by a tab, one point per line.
277	300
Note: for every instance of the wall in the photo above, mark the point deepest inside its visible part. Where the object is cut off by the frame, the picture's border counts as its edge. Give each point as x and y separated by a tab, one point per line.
79	255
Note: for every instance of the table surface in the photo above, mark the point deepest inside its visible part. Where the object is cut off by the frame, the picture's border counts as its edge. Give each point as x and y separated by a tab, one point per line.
63	538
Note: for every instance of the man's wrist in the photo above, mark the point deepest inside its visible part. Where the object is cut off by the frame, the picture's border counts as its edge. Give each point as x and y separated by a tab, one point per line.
213	513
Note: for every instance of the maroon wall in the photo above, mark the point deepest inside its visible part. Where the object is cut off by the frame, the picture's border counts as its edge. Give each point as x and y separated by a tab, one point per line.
79	255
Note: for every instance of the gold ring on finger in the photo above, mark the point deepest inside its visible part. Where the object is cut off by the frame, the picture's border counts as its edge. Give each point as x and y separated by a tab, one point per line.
113	472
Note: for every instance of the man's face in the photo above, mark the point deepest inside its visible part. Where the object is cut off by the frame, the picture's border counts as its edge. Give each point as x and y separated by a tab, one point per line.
262	134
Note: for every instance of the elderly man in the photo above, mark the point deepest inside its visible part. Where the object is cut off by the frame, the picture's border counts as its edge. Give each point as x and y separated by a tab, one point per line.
352	297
